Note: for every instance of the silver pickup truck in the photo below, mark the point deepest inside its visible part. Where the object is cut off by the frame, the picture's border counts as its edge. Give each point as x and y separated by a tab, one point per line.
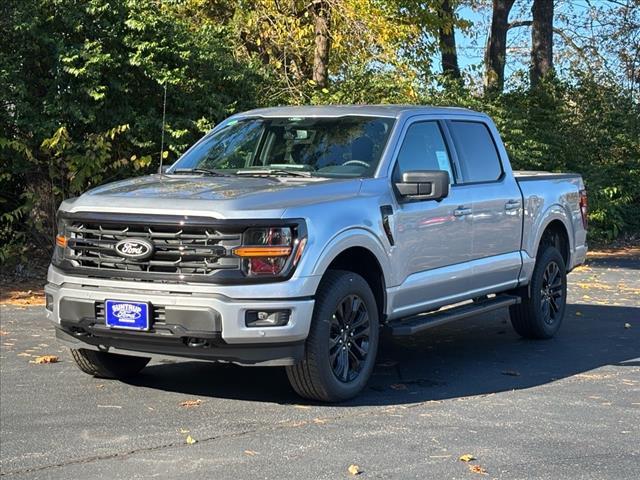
294	236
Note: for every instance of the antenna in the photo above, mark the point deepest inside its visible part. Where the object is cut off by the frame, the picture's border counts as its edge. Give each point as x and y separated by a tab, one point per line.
164	112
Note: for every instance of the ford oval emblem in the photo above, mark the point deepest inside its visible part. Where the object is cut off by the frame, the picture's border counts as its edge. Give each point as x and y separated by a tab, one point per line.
134	248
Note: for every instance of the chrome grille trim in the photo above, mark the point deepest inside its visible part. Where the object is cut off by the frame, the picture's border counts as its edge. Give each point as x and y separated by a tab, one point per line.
178	250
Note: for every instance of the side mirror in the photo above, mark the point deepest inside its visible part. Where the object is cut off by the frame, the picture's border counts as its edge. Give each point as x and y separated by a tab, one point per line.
163	169
424	185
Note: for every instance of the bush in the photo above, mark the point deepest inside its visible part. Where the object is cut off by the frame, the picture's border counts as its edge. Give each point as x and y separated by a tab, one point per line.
81	103
82	100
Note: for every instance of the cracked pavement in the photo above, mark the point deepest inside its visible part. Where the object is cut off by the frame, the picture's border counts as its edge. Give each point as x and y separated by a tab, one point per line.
563	408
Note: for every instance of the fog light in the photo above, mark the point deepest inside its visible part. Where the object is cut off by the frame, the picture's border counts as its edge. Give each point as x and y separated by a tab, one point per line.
48	301
267	318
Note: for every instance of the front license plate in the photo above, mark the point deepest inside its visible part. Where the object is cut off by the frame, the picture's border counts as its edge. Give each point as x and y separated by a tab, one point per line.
130	315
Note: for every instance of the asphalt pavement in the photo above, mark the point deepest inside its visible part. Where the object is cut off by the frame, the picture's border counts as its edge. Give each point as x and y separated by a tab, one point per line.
563	408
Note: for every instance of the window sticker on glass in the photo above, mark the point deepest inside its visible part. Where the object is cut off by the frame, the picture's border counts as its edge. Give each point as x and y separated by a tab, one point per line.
443	160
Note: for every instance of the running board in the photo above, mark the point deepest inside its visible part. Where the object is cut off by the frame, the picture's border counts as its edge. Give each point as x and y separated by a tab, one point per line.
418	323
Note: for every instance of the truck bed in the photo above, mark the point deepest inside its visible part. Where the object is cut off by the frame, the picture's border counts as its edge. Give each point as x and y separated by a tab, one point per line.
558	193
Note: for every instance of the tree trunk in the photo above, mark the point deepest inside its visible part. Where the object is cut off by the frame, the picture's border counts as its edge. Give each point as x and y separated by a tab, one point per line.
496	51
541	40
322	19
447	39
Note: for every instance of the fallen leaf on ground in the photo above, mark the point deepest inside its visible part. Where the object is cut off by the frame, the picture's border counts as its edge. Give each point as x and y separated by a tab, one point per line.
467	457
100	386
627	325
319	420
17	295
354	470
3	332
46	359
477	469
251	453
298	423
512	373
302	407
184	430
399	386
191	403
190	440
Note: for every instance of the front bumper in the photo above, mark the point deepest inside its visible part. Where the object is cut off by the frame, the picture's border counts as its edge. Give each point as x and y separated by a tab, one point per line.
192	324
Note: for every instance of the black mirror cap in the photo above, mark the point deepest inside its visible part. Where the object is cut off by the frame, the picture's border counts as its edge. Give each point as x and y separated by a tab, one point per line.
424	185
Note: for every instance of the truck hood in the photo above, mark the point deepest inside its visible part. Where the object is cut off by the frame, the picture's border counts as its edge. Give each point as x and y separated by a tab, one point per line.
222	197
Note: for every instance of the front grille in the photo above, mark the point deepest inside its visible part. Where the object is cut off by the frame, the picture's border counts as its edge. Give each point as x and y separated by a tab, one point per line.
178	250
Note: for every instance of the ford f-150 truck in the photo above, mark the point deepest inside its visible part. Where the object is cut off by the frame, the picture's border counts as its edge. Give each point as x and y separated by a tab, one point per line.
294	236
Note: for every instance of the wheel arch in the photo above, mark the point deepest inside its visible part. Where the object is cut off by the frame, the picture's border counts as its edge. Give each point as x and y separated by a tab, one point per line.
555	233
359	251
555	223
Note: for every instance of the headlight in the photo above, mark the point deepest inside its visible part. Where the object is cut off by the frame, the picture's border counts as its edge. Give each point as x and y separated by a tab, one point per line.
269	251
60	243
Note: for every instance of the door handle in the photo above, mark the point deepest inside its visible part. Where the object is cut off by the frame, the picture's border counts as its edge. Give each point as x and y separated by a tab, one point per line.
512	204
461	211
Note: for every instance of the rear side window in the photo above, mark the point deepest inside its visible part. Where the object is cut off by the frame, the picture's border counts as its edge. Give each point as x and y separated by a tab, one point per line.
477	153
423	148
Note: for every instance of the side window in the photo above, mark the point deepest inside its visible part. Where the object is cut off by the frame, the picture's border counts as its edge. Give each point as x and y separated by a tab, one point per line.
423	148
477	153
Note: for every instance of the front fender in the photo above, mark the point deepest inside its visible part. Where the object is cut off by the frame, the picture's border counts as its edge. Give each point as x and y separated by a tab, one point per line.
353	237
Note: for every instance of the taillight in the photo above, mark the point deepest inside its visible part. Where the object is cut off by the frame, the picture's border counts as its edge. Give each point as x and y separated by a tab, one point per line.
584	208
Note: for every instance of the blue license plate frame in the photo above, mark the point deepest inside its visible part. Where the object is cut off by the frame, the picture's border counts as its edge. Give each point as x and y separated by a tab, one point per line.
127	315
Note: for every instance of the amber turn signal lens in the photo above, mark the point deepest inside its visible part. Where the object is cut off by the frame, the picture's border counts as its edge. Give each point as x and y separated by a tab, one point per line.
61	241
303	243
262	251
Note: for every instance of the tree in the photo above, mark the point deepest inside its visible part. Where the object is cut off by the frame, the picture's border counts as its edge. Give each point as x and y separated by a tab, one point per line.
496	50
447	41
310	44
81	97
322	24
541	41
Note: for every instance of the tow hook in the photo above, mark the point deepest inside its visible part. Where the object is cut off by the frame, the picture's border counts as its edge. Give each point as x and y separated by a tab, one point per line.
196	342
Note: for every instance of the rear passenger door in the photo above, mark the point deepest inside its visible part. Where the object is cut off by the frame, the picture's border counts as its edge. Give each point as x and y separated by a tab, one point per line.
496	205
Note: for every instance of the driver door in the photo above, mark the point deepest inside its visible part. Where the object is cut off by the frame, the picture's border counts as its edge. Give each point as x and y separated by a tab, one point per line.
433	236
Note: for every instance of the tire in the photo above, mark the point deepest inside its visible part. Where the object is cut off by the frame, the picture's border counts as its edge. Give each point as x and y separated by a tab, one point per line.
323	374
108	365
541	311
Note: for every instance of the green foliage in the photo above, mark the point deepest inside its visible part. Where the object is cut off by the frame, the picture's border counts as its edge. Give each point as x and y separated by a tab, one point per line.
82	86
82	98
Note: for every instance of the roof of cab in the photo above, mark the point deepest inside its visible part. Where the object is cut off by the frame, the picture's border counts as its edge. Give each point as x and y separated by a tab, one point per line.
392	111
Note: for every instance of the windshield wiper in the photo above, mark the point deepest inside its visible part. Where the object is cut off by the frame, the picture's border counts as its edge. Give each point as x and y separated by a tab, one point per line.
274	172
202	171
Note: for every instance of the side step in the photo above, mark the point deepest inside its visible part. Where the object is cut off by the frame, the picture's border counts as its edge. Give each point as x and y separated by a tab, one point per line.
418	323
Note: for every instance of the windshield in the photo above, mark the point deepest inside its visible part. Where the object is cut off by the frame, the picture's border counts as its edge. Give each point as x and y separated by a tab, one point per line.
329	147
